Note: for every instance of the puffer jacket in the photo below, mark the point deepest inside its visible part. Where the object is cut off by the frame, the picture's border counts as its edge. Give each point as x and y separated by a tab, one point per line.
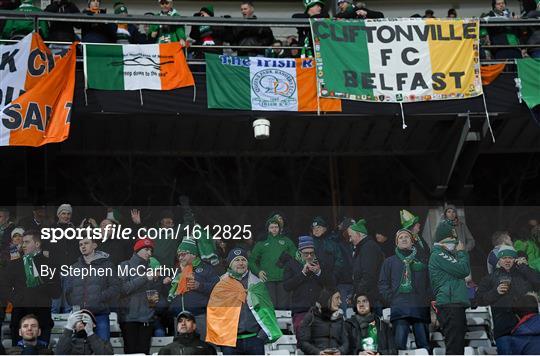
69	344
187	344
318	333
523	280
525	338
447	271
133	302
94	293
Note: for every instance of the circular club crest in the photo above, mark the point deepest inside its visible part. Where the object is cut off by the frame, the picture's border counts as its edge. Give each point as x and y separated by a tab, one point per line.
237	252
198	270
273	84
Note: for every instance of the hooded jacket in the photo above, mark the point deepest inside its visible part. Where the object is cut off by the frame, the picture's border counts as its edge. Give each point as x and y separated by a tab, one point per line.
447	271
366	265
94	293
133	303
526	337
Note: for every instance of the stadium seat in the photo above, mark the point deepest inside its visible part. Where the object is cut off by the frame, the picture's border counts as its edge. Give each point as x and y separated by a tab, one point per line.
414	352
285	343
477	339
117	344
483	350
283	314
386	315
6	343
442	351
277	352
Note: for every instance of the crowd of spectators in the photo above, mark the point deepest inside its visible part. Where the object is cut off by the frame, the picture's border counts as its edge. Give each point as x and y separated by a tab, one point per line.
318	279
248	36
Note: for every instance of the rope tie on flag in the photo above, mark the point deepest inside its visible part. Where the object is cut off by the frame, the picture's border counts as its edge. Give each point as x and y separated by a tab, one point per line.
194	92
487	118
403	124
140	94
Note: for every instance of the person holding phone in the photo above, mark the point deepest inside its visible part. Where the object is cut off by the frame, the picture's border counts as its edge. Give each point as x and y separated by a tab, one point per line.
512	279
79	337
304	277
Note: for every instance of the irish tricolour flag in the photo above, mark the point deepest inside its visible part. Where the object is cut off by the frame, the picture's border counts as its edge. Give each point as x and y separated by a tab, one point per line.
134	67
269	84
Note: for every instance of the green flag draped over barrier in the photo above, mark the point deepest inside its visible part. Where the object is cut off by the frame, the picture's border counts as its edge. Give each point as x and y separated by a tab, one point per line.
529	81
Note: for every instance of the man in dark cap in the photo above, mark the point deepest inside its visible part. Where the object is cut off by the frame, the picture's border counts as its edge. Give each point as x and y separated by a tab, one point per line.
326	246
188	341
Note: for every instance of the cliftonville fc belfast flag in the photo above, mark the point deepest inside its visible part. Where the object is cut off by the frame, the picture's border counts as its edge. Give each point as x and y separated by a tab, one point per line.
36	93
269	84
134	67
397	60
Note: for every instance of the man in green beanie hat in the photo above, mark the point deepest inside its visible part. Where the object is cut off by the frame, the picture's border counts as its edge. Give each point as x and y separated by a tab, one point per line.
191	289
263	262
17	29
411	222
206	35
448	267
313	9
511	280
367	262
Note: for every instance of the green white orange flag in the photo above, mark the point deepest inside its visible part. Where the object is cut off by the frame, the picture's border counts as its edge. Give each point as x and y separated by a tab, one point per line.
223	310
267	84
36	93
134	67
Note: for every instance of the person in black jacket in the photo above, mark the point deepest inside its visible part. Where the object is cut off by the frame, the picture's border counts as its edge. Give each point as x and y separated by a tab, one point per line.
127	33
510	281
405	287
28	288
344	280
94	292
313	9
363	12
79	337
322	331
58	30
304	277
206	35
188	341
366	333
251	36
97	32
367	261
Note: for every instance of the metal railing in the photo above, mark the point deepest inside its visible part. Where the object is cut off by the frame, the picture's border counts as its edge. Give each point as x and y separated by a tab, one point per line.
230	22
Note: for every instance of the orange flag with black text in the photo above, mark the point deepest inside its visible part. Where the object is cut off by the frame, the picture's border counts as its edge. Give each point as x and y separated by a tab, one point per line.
37	93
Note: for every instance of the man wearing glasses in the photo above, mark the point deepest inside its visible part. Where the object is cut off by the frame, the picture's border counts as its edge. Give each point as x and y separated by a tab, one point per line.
304	277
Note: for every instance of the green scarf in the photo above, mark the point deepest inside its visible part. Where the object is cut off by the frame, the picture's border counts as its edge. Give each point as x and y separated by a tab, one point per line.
411	264
236	275
174	285
32	279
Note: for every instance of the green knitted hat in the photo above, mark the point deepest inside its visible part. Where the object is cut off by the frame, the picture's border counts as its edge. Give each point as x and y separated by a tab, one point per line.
209	9
444	231
154	263
407	219
122	9
188	245
359	226
310	3
506	251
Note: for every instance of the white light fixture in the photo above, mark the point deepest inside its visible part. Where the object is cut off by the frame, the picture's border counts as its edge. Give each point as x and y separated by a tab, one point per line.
261	128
